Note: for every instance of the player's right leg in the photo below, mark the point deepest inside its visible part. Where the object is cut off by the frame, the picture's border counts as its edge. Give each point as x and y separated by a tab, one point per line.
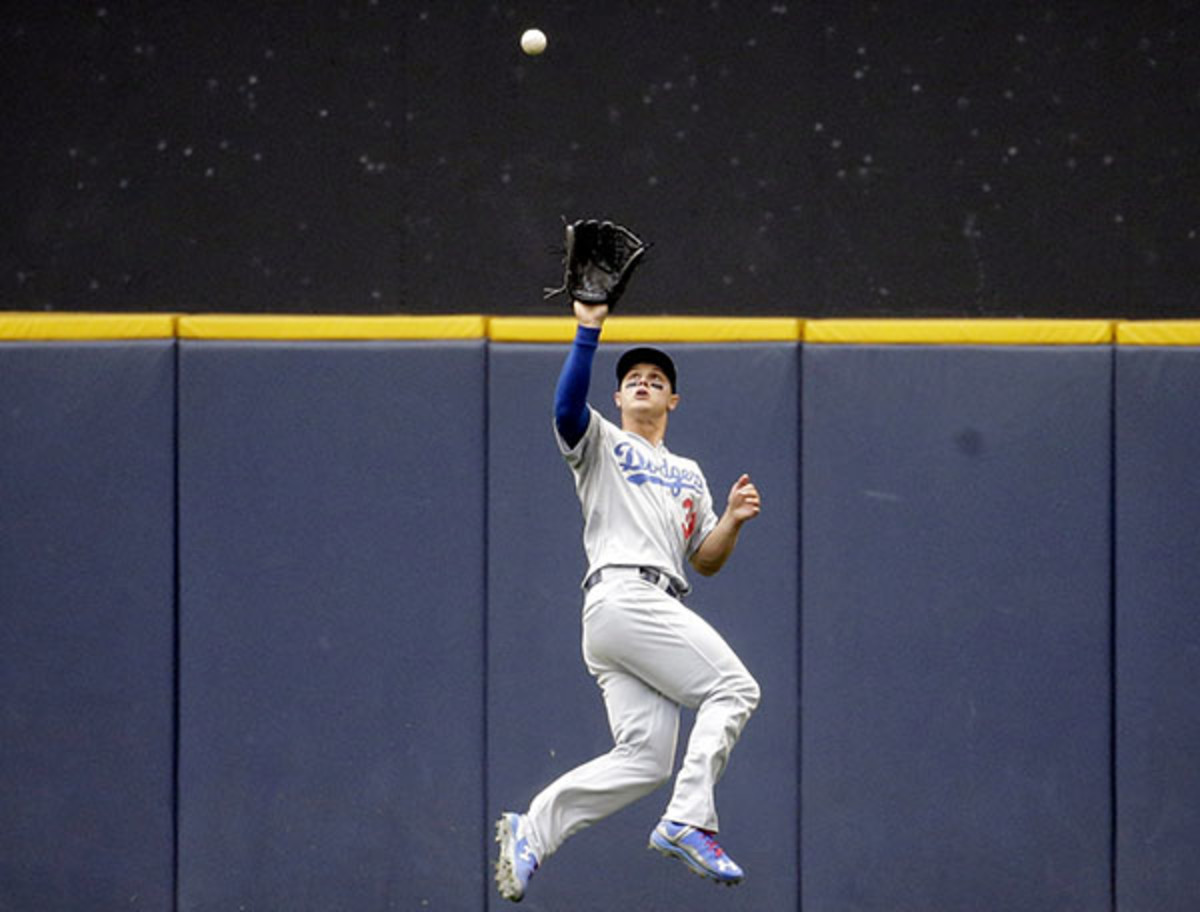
645	728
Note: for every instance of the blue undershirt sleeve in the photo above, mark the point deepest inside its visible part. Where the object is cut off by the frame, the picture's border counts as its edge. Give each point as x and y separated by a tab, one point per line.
571	413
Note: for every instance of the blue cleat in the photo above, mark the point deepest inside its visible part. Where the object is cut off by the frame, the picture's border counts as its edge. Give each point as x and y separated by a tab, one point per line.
698	850
516	862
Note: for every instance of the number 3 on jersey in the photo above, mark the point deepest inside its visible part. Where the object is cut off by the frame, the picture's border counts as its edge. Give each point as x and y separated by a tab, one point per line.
689	518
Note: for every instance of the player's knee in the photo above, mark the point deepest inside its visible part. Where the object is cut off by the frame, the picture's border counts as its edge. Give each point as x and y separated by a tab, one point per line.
650	760
655	775
755	694
657	763
653	762
748	691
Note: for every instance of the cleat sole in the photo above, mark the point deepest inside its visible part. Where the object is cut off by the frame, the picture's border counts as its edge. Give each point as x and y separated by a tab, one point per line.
669	851
506	878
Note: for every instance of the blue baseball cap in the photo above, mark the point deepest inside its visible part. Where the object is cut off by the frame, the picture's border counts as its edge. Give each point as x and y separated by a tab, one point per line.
644	355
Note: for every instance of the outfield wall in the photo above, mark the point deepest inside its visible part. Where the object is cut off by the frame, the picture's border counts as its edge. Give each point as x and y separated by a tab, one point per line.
87	625
290	612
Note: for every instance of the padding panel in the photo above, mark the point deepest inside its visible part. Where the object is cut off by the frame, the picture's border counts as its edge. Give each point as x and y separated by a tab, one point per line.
1158	630
956	548
545	714
331	527
87	625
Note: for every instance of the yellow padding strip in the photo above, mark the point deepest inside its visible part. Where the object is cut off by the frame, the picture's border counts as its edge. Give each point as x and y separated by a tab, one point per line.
960	332
1159	332
266	326
651	329
40	326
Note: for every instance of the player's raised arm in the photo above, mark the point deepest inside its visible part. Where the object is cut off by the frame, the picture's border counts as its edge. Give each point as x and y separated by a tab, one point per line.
591	315
570	397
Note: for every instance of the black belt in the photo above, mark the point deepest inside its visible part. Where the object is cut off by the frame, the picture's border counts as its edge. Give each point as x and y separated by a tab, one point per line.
649	574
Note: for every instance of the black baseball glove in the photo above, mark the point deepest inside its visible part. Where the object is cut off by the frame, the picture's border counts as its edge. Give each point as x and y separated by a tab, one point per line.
599	259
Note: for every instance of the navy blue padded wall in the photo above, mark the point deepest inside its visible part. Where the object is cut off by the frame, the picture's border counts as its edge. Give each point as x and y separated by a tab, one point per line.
332	608
545	715
87	625
1158	629
956	616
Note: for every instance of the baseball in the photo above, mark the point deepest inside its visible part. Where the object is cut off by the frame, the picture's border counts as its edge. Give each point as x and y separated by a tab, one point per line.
533	42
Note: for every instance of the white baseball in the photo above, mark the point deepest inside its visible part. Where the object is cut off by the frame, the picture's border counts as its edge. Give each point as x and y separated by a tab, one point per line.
533	42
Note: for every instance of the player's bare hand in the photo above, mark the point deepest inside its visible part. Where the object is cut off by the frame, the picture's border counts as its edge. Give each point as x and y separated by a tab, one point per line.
744	501
590	314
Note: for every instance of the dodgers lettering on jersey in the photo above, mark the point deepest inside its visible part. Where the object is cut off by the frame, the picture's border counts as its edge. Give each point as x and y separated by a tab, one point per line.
642	505
642	468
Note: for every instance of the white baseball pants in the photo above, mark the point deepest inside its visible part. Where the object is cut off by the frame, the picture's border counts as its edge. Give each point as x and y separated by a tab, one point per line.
650	655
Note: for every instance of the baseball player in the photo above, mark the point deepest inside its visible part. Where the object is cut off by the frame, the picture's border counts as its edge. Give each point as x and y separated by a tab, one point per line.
646	512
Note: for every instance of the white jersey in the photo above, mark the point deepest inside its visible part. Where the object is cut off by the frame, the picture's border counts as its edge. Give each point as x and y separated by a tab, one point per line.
643	506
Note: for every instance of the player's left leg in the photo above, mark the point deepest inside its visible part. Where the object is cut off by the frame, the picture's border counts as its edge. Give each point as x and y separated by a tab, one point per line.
721	715
680	654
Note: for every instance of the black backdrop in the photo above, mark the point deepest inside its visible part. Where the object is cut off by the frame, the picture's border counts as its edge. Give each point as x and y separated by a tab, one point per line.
805	157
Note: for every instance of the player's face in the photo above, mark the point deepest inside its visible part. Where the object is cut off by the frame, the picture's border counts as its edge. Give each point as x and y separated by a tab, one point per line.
645	389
